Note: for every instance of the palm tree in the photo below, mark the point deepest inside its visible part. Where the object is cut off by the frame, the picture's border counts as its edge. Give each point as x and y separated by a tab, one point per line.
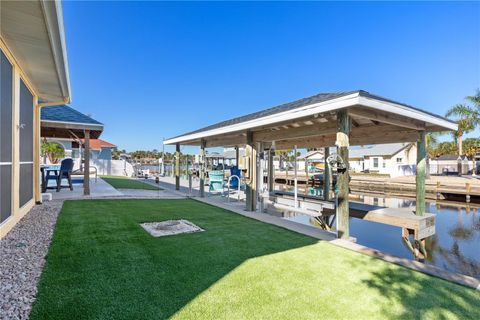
467	117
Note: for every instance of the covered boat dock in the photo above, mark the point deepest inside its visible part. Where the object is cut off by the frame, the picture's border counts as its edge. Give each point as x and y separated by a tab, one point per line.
321	121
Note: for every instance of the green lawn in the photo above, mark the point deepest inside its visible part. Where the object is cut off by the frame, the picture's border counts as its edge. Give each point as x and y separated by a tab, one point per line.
103	265
119	182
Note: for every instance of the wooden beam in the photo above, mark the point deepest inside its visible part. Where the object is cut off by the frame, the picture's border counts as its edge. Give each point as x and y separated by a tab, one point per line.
202	168
251	176
226	141
385	118
344	125
177	166
295	133
420	176
86	166
362	135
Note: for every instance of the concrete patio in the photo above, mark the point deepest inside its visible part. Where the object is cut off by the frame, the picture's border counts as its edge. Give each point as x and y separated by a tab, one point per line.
101	189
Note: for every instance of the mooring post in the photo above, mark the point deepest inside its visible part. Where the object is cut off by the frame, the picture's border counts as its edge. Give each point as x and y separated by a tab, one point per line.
344	124
177	166
202	168
326	174
420	177
251	178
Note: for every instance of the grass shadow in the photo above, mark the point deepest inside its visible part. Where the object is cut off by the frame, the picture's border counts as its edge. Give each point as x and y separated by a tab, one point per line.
417	295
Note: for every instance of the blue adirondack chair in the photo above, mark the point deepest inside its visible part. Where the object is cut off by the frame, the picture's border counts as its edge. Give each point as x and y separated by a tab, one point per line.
216	181
234	171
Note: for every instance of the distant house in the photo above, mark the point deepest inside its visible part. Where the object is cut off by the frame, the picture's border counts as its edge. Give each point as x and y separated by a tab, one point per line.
314	160
392	158
100	149
449	164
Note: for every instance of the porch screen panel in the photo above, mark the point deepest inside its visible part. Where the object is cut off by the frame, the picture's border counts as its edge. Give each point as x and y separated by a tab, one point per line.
6	107
26	144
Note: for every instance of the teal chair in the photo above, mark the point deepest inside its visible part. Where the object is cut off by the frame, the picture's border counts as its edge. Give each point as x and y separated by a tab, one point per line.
216	181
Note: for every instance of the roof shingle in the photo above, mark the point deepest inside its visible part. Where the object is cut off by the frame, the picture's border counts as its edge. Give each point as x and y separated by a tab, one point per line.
65	114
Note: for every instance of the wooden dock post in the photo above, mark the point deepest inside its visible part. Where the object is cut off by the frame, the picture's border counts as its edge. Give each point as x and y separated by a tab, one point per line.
202	168
177	166
438	190
343	214
326	174
420	177
467	192
251	178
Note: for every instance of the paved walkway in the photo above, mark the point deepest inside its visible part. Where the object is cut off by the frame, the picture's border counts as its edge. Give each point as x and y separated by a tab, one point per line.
98	188
101	189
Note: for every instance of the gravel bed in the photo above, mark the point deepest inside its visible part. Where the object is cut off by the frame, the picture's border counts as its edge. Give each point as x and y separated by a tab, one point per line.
22	253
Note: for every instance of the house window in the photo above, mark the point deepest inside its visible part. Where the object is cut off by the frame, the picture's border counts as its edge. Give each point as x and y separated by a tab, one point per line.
375	162
384	163
399	160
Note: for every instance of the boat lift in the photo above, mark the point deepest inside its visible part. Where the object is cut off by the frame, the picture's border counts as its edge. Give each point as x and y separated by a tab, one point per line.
324	211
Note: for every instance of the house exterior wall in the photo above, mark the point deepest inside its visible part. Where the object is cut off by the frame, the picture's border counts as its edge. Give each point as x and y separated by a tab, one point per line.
19	168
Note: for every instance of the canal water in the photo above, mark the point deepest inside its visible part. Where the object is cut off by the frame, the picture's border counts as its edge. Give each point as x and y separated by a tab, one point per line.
454	247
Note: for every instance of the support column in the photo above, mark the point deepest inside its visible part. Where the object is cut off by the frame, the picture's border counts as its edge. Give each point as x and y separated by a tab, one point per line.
36	154
202	168
420	176
237	156
271	169
86	167
344	124
251	178
326	174
177	166
260	162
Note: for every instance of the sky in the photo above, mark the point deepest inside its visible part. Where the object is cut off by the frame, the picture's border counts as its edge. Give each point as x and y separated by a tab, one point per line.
149	70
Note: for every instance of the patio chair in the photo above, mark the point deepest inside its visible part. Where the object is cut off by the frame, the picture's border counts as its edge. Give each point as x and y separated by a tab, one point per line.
216	181
234	171
65	171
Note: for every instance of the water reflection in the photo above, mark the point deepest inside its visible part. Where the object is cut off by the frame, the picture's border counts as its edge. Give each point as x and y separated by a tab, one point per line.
454	247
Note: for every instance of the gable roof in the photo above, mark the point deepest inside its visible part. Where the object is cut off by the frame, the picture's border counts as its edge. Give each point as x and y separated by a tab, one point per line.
65	114
228	154
388	149
448	157
321	97
98	144
314	154
311	106
65	122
